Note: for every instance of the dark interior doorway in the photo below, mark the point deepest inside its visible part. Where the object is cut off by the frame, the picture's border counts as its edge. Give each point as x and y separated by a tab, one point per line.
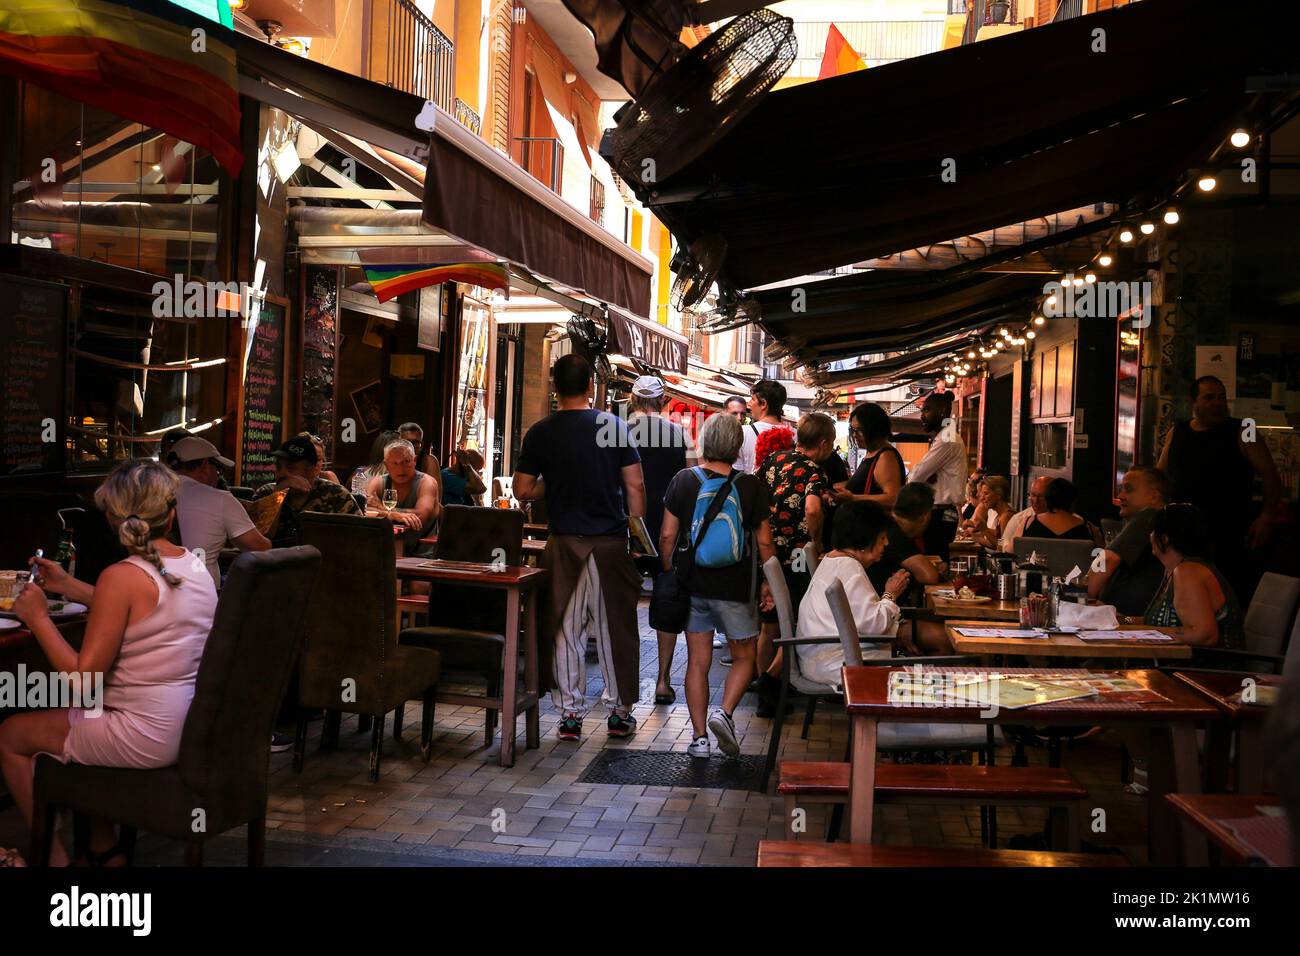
997	425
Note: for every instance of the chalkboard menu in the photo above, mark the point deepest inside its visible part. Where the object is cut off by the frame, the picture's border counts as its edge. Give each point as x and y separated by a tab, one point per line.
33	317
262	421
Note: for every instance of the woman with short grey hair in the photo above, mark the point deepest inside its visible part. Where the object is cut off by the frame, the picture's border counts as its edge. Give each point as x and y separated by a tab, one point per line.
720	438
723	593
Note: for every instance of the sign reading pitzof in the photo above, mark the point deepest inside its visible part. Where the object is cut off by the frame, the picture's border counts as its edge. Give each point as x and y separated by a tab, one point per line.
648	344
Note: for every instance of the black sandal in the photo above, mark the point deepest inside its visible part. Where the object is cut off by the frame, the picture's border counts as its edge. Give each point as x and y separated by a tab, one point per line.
668	698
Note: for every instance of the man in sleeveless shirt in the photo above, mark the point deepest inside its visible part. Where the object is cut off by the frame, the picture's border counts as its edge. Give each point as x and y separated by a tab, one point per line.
419	496
1212	466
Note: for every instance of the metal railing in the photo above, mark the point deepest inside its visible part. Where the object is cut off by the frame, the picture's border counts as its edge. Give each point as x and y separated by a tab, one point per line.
1068	10
876	41
417	57
597	201
543	164
466	117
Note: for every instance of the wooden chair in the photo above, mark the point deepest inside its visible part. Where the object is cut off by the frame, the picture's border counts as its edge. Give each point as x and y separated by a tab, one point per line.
904	737
783	853
1270	617
467	625
352	662
226	743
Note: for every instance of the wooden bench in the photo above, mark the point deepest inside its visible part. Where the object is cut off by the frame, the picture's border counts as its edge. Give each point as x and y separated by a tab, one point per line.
827	782
785	853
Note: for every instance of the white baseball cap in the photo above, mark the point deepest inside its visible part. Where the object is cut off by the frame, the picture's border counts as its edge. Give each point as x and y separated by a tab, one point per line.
197	449
648	386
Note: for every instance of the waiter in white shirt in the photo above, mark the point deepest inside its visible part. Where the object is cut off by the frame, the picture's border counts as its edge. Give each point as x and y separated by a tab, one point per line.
944	468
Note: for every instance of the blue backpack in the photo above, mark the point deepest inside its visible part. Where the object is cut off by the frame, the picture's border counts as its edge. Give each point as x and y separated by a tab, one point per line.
723	543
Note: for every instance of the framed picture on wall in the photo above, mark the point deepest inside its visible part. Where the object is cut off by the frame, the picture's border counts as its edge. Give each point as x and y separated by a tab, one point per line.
368	401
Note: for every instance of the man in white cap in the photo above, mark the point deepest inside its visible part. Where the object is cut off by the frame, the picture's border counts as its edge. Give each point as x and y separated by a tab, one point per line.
209	517
665	450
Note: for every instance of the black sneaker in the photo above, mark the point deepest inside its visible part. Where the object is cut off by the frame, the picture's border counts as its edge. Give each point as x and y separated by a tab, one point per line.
620	726
280	742
724	728
571	727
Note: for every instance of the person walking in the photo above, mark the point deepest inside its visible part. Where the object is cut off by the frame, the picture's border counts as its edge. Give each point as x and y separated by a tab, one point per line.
582	462
766	405
665	450
1210	464
723	591
944	467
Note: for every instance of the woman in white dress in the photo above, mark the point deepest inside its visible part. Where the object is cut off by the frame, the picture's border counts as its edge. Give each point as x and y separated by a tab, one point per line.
859	537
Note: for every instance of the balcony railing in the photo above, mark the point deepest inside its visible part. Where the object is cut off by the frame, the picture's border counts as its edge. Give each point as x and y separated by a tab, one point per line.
1068	10
466	117
597	201
543	156
876	41
413	55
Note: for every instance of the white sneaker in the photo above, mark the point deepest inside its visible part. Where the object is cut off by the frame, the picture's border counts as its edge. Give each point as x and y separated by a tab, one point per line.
724	728
719	640
700	747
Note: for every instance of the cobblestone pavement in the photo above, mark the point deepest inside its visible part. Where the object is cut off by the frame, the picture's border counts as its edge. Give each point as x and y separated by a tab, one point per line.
443	812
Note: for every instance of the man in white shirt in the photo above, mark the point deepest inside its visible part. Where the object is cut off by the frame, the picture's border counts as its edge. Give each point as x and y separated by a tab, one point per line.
1037	505
766	403
943	467
207	516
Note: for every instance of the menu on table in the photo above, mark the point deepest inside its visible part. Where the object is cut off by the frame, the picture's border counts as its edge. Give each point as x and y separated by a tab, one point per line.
262	424
33	328
1136	637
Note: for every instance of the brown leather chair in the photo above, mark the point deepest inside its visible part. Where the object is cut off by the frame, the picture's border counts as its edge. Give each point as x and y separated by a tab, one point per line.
351	661
467	625
225	746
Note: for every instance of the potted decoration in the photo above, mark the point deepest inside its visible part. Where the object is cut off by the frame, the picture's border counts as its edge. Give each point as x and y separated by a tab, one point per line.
999	9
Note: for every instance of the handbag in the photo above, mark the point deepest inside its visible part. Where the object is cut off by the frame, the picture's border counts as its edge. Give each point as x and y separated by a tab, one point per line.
670	602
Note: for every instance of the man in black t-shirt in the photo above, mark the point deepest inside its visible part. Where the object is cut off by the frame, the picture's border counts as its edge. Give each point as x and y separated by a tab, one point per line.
586	467
1128	575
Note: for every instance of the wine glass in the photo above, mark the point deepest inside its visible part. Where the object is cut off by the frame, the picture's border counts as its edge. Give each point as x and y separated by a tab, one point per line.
389	500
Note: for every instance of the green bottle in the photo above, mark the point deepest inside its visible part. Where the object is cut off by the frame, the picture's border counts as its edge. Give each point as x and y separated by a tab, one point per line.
66	555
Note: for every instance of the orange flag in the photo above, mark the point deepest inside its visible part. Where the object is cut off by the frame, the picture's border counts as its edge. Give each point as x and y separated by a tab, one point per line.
839	58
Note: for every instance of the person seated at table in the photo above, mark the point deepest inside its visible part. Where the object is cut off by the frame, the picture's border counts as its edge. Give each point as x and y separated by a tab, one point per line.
1037	505
419	502
462	483
425	461
1130	574
320	471
860	537
375	466
295	463
993	494
972	506
1058	520
1193	596
903	552
150	615
206	516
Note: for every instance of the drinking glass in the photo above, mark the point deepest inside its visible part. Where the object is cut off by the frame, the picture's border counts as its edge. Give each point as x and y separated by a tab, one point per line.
389	500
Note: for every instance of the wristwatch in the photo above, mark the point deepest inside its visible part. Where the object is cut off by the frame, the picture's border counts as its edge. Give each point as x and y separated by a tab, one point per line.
888	597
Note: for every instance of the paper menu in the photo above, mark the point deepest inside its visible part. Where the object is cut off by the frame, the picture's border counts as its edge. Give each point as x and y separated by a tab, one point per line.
1033	632
982	691
1121	637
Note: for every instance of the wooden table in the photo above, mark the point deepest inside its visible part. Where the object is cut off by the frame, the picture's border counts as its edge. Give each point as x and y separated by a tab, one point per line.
964	547
536	530
804	853
533	547
1171	722
521	587
994	609
1245	720
1065	645
1209	812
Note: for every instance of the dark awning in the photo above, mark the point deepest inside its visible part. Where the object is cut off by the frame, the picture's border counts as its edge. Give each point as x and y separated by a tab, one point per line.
887	311
471	192
828	173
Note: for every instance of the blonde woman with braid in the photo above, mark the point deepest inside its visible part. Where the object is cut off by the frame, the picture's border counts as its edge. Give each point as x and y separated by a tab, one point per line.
150	615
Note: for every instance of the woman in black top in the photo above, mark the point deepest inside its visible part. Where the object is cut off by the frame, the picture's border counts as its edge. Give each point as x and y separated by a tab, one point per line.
881	474
1059	521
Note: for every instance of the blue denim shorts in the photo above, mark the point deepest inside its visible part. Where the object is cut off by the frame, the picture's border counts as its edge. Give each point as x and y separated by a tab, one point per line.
736	619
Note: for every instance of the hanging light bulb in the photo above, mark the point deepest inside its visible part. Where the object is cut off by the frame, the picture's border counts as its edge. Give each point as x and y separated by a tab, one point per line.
1039	320
1206	184
1090	277
1147	228
998	344
1171	216
1126	235
1078	282
1105	259
1003	332
1031	334
970	354
1240	139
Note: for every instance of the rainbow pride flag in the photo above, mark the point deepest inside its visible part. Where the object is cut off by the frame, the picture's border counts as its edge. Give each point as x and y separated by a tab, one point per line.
839	58
150	61
388	282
